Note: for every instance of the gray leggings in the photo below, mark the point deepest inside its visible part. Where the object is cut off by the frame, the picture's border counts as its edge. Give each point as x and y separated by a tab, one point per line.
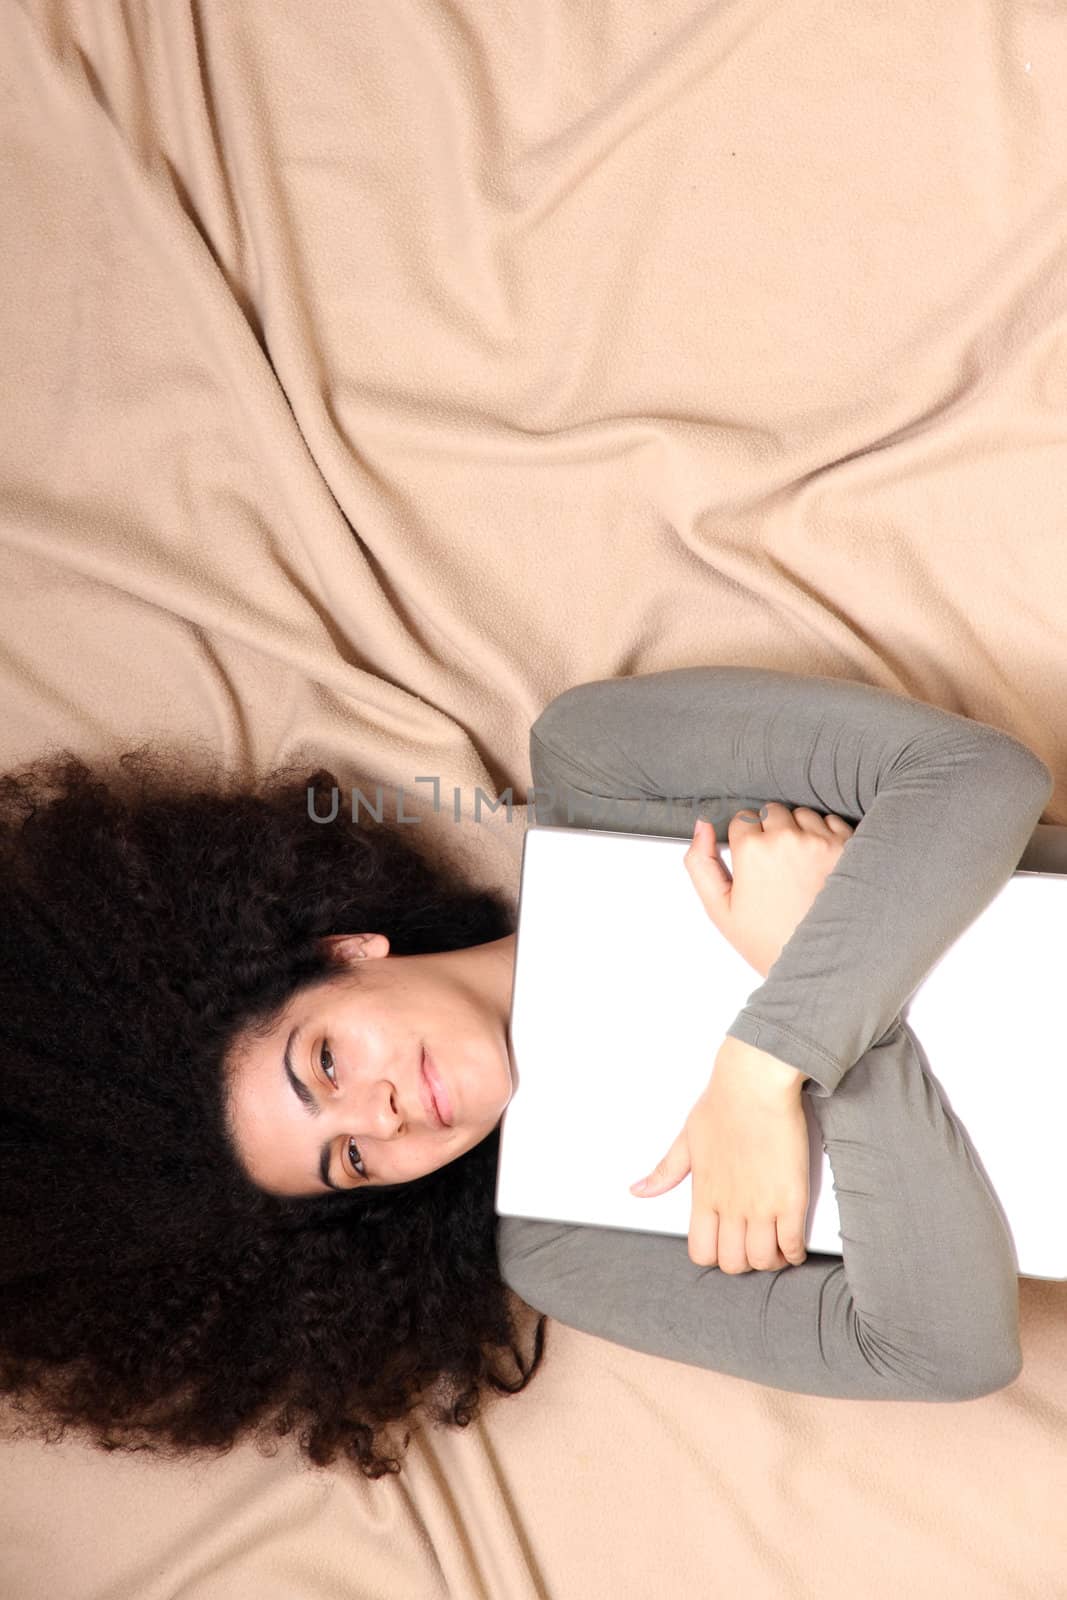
902	1316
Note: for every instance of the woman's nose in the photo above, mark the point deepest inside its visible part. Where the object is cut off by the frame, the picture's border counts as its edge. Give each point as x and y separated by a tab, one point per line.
375	1112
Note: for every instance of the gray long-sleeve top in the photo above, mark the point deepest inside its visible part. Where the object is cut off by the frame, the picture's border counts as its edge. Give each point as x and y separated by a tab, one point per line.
924	1303
943	808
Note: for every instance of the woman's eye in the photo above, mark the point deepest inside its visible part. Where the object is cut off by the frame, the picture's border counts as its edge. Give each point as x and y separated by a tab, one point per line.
324	1056
357	1163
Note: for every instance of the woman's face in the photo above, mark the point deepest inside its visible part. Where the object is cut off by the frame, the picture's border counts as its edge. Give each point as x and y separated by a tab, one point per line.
355	1046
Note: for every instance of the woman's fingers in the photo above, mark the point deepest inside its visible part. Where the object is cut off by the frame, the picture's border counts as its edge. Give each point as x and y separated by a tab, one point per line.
802	818
746	1246
778	816
669	1172
738	1246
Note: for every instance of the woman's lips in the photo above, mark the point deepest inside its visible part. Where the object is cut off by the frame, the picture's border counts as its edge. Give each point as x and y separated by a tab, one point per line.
442	1104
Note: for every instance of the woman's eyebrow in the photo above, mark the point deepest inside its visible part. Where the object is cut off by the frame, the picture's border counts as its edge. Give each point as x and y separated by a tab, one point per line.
307	1100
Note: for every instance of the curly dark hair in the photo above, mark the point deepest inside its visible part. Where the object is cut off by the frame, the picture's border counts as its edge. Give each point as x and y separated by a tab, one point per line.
149	1291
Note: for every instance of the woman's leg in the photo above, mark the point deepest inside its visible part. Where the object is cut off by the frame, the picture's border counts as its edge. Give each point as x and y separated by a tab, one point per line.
922	1306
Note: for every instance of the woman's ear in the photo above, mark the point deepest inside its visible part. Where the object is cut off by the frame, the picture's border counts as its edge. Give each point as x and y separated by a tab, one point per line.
352	947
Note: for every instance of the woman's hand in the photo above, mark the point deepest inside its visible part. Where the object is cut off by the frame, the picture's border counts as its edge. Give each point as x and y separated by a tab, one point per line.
746	1142
778	871
746	1139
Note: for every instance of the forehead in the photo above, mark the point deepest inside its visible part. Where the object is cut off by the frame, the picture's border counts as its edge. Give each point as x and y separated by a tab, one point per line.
312	999
256	1086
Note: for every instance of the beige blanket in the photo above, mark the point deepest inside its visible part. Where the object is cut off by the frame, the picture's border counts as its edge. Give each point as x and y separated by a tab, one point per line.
374	372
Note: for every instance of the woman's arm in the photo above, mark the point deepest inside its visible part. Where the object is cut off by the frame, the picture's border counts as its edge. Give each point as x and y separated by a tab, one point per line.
923	1305
943	807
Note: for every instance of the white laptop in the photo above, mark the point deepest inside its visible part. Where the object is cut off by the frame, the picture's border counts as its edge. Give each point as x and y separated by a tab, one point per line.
614	1032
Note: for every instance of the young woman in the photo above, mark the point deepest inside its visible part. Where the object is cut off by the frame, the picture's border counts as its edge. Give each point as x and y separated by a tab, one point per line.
229	1201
